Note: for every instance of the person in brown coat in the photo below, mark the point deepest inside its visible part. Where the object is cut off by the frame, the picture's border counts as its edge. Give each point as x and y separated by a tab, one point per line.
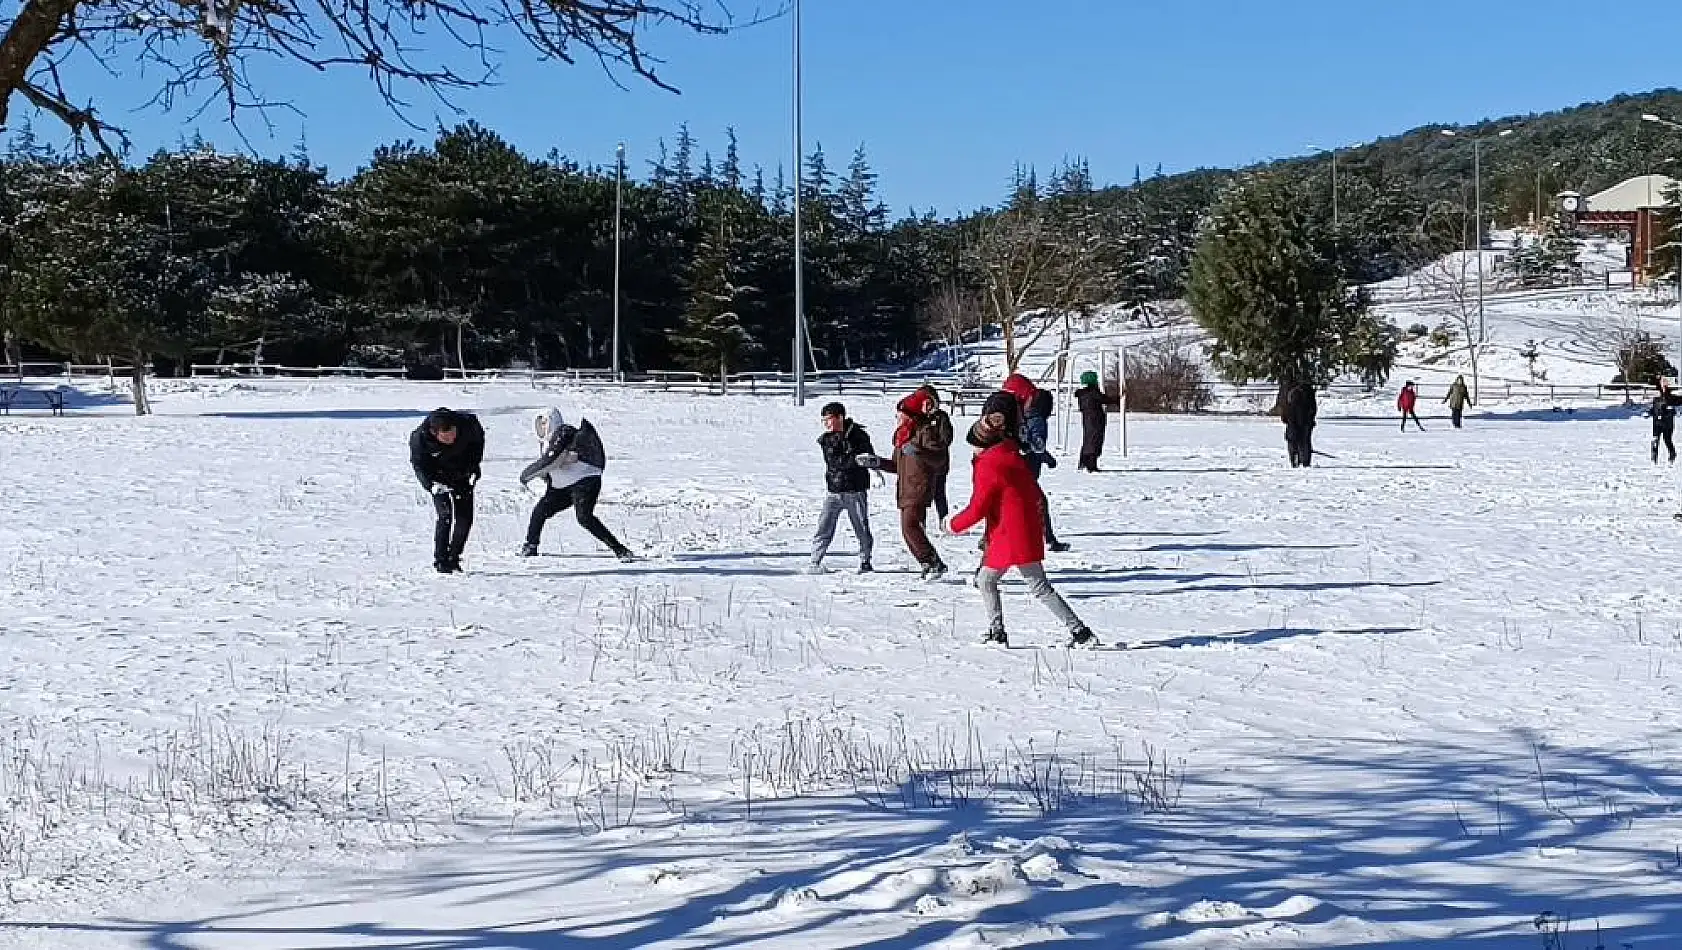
921	458
943	461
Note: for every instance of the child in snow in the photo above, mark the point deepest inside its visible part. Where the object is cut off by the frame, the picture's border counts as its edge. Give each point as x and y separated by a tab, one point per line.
567	474
1458	398
943	422
1093	408
1036	433
445	452
1663	411
1008	500
848	459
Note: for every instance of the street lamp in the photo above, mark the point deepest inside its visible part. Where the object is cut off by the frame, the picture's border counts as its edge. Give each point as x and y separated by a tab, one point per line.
618	211
1334	180
1677	126
1477	222
799	262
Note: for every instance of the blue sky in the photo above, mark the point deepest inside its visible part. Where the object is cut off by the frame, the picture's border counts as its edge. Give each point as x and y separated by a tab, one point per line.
947	95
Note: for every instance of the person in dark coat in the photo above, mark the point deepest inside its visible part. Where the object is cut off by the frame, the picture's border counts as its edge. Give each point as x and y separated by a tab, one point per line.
567	474
445	452
922	446
848	459
1663	412
1008	501
1298	414
1458	398
1036	433
943	463
1094	408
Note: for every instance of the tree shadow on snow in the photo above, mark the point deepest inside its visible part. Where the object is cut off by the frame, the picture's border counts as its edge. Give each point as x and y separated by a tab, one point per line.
341	414
1252	637
1334	842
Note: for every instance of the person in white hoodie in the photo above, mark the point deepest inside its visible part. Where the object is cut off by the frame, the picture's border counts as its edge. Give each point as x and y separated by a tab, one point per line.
568	472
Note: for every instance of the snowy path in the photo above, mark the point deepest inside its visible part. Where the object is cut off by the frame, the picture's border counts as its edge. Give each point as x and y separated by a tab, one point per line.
1422	693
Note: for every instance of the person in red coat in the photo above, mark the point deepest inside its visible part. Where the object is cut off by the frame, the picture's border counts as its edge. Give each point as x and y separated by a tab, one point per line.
1007	498
1406	400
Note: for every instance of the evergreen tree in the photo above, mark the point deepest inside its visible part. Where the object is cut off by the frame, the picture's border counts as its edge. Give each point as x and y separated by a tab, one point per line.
1272	300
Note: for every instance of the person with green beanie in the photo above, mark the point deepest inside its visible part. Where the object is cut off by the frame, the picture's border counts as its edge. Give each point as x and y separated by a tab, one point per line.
1093	404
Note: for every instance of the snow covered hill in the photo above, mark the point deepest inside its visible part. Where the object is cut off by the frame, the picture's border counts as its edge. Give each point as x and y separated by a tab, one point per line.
1419	696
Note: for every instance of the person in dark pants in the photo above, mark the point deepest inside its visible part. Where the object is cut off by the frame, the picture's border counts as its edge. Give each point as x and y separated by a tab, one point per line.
922	447
1094	406
848	459
1408	401
1663	413
1458	398
1298	414
569	473
1036	431
446	451
937	475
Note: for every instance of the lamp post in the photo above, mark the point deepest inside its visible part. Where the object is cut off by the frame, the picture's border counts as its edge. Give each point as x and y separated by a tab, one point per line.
1333	151
1477	223
799	263
618	211
1677	126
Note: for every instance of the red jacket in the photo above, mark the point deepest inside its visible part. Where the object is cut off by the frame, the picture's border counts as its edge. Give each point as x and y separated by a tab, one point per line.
1008	499
1405	401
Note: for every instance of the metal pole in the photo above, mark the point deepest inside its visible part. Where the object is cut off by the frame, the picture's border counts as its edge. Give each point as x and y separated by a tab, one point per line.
1121	358
618	210
1477	238
799	263
1334	189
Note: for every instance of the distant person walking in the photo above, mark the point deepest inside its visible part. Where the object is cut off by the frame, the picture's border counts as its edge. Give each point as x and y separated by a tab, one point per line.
445	452
1458	398
1663	412
1299	413
1408	401
1094	408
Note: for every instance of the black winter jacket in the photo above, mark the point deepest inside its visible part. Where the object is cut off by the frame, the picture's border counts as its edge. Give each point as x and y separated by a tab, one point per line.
1301	407
842	472
455	465
1663	411
581	441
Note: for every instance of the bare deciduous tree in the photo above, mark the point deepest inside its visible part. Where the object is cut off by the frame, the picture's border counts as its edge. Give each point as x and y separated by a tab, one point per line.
1451	285
201	48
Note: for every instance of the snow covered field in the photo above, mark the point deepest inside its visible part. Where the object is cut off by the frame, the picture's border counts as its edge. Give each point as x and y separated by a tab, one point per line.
1420	696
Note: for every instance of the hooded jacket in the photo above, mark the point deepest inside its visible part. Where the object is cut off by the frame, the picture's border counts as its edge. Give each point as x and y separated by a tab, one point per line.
1301	408
1008	500
566	455
1023	389
455	465
922	450
842	472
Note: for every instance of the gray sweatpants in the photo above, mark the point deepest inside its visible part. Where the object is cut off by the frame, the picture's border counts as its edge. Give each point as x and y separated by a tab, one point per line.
857	506
988	581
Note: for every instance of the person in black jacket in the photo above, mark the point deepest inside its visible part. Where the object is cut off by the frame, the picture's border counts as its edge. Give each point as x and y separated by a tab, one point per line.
848	459
446	451
1094	406
1298	414
1663	411
567	474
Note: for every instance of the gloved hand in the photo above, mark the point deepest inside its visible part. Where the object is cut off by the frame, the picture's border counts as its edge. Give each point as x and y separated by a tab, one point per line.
867	460
439	488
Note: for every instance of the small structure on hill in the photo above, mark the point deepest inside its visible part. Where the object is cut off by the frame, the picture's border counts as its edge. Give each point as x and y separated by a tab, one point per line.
1629	212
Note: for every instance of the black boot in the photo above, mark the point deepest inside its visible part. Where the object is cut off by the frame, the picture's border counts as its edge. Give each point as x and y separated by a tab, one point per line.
996	635
528	550
1082	636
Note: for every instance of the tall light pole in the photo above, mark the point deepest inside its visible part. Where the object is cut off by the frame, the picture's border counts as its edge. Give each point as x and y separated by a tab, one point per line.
1477	224
618	211
1676	239
1333	151
799	262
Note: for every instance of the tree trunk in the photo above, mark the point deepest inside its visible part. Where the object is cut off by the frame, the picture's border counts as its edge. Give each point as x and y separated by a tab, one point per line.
137	381
461	353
